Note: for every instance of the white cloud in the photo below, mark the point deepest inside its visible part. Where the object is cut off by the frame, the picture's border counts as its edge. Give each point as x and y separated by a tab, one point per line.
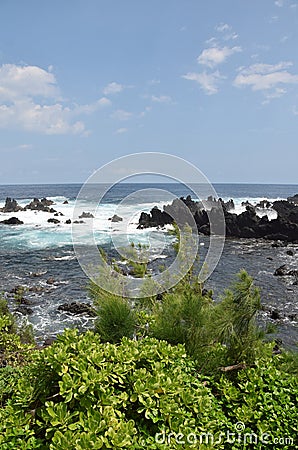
113	88
161	99
26	81
121	130
121	114
47	119
267	78
213	56
279	3
295	111
207	81
30	100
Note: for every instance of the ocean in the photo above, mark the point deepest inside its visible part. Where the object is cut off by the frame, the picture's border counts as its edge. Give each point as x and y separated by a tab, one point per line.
40	257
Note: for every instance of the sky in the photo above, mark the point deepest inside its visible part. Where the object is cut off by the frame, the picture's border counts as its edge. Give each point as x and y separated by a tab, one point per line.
83	82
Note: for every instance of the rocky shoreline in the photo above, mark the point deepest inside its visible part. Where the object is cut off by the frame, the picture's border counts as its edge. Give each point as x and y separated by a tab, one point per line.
248	224
52	295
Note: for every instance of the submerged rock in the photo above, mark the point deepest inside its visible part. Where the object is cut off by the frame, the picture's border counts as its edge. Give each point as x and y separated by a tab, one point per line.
23	309
281	271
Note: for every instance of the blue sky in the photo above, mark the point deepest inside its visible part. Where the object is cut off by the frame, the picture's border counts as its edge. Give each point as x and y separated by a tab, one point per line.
84	81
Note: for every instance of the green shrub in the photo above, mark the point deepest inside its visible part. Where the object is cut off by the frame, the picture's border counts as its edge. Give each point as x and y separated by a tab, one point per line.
82	394
116	319
264	399
15	340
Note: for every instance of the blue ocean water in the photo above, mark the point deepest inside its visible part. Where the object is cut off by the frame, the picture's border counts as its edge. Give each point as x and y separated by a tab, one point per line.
119	191
36	252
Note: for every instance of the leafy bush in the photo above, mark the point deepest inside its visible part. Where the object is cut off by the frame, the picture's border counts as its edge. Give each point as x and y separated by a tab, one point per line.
82	394
264	399
15	340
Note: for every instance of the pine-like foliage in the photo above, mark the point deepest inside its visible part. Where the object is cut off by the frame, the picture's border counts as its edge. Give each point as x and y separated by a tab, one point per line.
234	320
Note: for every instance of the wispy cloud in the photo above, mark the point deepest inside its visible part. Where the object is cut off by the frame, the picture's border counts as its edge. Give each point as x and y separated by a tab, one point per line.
222	27
121	130
113	88
227	31
214	56
121	114
92	107
207	81
273	19
271	79
154	82
146	110
25	147
161	99
284	39
279	3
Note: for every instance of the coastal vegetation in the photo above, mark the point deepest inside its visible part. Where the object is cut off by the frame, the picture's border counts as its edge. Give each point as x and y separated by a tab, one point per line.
172	370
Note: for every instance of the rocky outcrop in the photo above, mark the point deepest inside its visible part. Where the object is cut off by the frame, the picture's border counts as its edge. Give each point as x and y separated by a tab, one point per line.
11	205
52	220
293	199
264	204
41	205
86	215
77	308
115	218
154	219
245	225
12	221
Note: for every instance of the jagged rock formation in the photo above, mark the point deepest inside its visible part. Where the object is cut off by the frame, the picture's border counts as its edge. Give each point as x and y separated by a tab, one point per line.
245	225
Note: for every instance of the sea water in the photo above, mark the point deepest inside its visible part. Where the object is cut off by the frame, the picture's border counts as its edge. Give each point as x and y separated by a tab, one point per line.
37	251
